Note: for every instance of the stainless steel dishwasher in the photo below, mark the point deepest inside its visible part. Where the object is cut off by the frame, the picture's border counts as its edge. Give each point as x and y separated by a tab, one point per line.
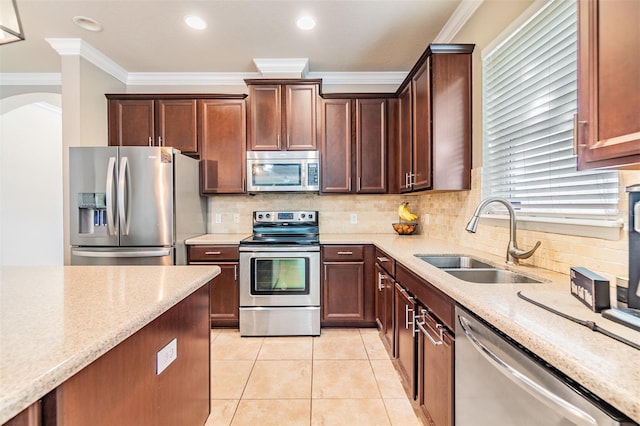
499	383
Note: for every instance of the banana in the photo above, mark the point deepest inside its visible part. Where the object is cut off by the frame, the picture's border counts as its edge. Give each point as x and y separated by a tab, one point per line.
405	214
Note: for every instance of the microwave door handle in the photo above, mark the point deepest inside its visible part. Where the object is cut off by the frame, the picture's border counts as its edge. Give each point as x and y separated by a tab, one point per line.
636	217
543	395
111	212
124	181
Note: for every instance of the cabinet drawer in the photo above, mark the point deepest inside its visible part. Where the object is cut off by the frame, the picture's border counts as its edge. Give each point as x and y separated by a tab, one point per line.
212	253
387	262
346	253
432	298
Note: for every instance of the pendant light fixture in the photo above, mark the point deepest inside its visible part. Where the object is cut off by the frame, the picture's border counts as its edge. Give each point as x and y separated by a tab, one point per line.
10	25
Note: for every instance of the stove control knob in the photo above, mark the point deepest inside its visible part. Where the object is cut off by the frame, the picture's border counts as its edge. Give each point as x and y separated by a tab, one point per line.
260	216
302	215
268	215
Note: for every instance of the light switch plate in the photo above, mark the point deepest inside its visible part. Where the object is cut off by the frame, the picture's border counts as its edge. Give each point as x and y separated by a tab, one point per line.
166	356
354	218
218	218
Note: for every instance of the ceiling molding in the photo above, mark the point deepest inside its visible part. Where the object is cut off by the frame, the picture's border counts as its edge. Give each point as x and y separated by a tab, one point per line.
360	78
282	67
77	46
188	79
460	16
30	79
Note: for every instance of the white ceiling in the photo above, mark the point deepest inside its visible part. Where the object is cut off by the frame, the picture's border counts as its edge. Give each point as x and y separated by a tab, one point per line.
149	36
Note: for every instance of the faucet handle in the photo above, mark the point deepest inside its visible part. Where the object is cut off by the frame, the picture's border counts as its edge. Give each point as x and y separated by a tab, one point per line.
523	254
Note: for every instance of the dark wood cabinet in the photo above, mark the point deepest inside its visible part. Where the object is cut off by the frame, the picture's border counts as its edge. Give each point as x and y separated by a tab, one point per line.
385	300
608	121
154	122
222	133
225	296
347	300
282	114
434	121
435	369
354	145
405	337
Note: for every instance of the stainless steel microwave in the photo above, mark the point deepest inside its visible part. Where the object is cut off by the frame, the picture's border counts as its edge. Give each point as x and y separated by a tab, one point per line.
283	171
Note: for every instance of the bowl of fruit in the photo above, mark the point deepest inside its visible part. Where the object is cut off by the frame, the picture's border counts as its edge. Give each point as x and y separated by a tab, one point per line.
408	221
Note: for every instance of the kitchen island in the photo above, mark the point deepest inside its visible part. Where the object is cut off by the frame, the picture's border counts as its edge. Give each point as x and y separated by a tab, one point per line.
57	321
602	365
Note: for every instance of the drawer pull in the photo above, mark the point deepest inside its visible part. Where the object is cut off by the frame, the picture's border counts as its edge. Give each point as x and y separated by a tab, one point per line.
212	253
346	253
382	259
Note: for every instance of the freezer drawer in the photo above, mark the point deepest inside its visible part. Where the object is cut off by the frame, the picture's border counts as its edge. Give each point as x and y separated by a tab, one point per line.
123	256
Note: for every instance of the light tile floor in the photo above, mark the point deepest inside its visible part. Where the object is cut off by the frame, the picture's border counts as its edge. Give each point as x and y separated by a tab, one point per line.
342	377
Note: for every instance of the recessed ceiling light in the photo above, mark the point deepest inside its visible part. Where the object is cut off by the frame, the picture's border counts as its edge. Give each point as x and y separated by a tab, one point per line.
88	24
195	22
306	22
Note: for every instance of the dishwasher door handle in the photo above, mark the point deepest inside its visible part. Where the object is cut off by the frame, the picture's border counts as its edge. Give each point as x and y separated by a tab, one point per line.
544	395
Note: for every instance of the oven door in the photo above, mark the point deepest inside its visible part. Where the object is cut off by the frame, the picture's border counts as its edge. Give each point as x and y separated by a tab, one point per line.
280	276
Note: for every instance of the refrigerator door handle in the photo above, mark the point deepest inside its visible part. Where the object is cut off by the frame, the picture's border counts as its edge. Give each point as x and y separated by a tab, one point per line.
111	213
133	253
124	206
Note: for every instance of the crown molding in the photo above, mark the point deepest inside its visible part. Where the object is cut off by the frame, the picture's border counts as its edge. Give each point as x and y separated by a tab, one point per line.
30	79
360	78
282	67
77	46
188	79
460	16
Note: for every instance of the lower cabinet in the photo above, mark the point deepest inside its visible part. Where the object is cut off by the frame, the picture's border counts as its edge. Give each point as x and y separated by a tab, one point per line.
346	300
405	338
385	309
435	369
225	294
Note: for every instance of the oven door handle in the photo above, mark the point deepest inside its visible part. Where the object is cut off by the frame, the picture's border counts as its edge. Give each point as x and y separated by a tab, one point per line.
542	394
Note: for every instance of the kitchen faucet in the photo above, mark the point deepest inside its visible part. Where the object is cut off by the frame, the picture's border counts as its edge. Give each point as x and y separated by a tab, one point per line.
513	252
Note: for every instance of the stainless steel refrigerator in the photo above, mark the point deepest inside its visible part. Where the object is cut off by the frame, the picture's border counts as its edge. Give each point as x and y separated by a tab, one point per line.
133	205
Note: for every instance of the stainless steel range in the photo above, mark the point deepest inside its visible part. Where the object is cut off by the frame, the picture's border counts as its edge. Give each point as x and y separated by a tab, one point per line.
280	275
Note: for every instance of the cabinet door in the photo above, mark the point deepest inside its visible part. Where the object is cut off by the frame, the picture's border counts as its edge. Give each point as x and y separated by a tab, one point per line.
608	124
131	122
300	117
343	291
222	132
371	145
405	337
405	140
225	297
435	372
265	117
178	124
421	116
335	134
384	307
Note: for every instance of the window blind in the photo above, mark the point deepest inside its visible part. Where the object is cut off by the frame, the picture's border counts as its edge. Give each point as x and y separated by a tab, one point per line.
529	100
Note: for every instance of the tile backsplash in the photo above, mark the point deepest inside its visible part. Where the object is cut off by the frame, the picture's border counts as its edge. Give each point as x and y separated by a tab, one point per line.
446	215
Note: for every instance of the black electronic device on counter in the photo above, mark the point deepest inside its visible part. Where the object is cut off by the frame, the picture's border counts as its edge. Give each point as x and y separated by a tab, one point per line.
590	288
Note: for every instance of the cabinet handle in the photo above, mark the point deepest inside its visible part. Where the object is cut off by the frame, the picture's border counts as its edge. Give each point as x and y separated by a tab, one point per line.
576	133
212	253
349	184
150	141
288	141
382	259
406	180
408	323
346	253
235	273
381	285
160	141
278	141
359	184
424	331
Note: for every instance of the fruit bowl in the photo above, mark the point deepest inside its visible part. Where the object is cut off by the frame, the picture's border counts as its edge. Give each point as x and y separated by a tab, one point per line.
405	228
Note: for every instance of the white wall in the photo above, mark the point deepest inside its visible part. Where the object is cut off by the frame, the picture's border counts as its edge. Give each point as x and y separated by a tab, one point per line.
31	217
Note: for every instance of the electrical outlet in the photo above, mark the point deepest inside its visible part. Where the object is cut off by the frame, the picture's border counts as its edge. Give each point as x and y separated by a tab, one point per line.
425	219
354	218
218	218
166	356
236	218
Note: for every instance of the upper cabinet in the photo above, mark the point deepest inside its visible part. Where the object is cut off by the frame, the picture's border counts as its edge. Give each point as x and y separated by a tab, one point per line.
282	114
223	135
136	121
433	132
353	134
608	122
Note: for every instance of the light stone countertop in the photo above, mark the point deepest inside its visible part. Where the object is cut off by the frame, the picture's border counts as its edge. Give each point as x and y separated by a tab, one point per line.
54	321
207	239
605	367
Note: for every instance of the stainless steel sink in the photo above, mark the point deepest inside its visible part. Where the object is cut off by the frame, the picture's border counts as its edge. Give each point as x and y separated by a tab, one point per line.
470	269
491	276
453	261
